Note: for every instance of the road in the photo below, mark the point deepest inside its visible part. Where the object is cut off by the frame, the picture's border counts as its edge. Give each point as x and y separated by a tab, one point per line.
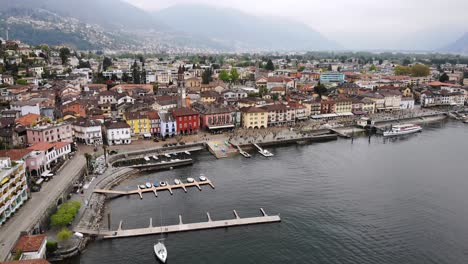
28	215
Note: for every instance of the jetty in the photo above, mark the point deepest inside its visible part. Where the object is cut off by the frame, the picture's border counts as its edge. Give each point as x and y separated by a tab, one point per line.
155	190
243	153
181	227
264	152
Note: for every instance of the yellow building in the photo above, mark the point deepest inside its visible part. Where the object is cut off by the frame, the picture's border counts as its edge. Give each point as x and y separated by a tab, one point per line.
139	123
254	117
343	106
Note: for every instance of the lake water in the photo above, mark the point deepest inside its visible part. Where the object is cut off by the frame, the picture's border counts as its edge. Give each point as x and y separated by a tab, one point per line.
403	200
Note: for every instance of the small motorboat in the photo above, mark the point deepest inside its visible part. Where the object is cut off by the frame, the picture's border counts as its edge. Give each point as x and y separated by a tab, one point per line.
186	152
147	159
202	178
156	184
163	184
177	181
190	180
160	251
167	155
155	157
148	185
142	186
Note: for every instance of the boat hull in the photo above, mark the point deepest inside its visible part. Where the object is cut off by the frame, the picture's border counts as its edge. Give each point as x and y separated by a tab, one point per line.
399	133
160	252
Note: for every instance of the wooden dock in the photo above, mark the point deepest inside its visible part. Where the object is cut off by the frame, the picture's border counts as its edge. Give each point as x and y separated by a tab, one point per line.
243	153
181	227
155	190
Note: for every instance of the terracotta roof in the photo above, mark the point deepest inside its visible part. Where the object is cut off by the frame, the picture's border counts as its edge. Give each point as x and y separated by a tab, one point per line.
183	111
28	261
152	115
59	145
14	154
29	243
253	109
28	119
117	125
41	146
278	89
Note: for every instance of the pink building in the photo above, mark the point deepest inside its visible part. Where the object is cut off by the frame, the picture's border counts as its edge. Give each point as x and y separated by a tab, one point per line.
49	133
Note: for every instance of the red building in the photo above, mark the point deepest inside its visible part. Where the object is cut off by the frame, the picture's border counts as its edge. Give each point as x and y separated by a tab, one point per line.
188	120
327	107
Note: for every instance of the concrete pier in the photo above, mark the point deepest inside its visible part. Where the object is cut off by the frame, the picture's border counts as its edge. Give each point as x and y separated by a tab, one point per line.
181	227
153	189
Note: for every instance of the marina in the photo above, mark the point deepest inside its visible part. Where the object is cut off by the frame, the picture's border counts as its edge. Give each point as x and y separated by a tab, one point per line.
167	187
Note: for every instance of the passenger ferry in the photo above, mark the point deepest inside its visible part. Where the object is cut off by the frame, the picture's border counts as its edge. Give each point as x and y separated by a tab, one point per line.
398	130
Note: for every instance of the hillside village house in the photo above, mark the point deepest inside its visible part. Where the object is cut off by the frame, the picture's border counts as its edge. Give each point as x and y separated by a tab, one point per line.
215	117
188	121
280	114
61	132
26	107
43	156
168	124
254	117
139	123
87	131
117	133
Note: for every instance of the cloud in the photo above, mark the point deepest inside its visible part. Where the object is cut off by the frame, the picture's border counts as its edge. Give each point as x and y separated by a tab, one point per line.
358	24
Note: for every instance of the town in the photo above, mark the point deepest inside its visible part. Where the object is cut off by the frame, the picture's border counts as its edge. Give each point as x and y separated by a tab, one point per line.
60	107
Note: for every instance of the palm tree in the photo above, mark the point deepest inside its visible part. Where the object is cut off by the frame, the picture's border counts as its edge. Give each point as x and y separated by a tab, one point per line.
88	158
104	147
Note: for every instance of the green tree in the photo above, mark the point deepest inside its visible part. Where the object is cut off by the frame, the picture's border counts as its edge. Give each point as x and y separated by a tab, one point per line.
64	55
234	75
207	76
125	77
402	70
106	63
275	97
64	234
224	76
320	89
88	158
444	77
262	91
373	68
270	66
136	74
420	70
22	82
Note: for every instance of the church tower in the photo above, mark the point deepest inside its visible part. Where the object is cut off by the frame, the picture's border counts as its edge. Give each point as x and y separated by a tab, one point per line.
181	86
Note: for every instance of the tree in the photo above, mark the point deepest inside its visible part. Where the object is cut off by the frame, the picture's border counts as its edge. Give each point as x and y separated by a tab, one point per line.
88	158
275	97
270	66
224	76
373	68
125	77
22	82
84	64
320	89
155	88
136	74
262	91
64	234
402	70
64	55
420	70
234	75
444	77
106	63
207	76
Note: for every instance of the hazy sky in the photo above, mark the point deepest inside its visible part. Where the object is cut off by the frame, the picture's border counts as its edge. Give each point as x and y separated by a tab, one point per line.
359	24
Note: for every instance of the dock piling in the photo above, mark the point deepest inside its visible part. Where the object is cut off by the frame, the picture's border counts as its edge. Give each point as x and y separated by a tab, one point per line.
180	220
235	213
120	226
209	217
263	212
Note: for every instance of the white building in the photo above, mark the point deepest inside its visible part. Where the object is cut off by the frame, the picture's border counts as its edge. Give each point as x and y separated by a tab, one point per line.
87	131
407	103
26	108
117	133
13	187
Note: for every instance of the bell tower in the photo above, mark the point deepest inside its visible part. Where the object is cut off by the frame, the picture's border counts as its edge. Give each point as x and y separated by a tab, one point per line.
181	86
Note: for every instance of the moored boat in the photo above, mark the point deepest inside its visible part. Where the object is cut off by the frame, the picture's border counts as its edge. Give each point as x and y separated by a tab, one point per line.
190	180
148	185
142	186
162	184
266	153
202	178
177	181
404	129
160	251
156	184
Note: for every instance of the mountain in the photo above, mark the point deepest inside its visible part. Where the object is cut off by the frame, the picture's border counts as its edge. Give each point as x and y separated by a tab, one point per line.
459	46
243	31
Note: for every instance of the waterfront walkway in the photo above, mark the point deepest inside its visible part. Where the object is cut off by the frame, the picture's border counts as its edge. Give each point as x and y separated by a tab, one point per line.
34	209
181	227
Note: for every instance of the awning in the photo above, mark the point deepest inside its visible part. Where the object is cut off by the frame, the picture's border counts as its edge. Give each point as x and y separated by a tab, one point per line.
45	173
223	126
5	180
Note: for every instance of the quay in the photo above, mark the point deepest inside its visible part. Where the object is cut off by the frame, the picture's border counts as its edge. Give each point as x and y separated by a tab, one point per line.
181	227
162	165
155	190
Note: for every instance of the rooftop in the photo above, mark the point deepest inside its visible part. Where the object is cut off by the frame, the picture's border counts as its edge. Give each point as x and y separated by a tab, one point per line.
31	243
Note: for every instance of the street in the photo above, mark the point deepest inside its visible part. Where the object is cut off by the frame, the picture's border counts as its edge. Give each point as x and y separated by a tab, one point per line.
35	207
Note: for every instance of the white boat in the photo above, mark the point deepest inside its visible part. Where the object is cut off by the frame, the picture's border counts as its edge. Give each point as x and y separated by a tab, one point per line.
160	251
202	178
177	181
266	153
155	158
186	152
142	186
167	155
190	180
147	159
404	129
163	184
148	185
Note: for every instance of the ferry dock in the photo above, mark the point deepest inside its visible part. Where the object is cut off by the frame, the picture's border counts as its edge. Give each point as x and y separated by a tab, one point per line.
181	227
155	190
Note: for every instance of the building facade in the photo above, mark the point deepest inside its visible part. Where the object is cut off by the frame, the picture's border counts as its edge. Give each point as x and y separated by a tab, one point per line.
50	133
13	187
117	133
188	120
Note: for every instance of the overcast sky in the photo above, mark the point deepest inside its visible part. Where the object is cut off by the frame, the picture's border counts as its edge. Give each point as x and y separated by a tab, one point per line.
359	24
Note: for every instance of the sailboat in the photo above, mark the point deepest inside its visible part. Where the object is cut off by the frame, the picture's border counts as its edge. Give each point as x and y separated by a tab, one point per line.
159	248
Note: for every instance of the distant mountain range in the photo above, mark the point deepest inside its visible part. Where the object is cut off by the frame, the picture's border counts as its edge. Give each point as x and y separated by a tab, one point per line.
459	46
117	25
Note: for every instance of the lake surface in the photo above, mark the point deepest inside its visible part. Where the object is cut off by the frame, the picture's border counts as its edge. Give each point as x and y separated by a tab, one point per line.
403	200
